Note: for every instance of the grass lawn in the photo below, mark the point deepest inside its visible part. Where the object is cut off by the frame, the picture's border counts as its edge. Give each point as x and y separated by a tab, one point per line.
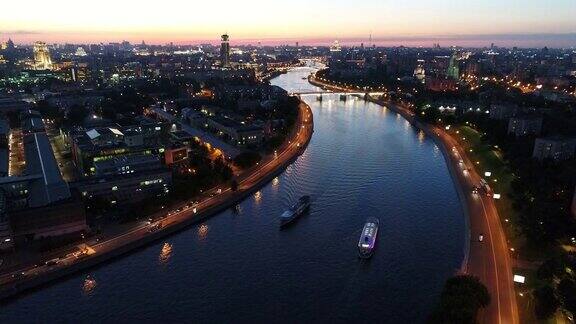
488	158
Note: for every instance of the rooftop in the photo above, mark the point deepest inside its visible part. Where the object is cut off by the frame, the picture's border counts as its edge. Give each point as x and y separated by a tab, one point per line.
40	160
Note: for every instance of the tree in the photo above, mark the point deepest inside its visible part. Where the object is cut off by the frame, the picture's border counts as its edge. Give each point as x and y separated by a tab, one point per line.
546	302
461	298
549	269
234	185
76	115
48	111
567	291
247	159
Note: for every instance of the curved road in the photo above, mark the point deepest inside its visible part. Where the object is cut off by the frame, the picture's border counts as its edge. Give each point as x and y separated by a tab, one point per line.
489	260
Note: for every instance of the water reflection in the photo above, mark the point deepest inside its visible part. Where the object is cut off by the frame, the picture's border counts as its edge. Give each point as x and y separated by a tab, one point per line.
237	209
357	166
421	136
407	125
89	285
165	253
275	183
258	196
384	111
202	231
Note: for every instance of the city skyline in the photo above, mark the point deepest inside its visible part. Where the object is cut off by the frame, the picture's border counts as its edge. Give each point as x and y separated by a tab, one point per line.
241	161
418	23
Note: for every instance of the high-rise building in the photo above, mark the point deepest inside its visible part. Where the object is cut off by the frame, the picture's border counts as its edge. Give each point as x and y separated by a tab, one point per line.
10	43
42	60
420	72
556	148
453	68
335	47
225	51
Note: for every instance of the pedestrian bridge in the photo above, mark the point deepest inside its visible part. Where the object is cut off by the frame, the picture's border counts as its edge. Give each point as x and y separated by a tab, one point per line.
301	93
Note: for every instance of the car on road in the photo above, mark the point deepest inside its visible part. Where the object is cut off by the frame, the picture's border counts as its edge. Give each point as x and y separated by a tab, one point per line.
52	262
155	227
481	238
19	274
485	187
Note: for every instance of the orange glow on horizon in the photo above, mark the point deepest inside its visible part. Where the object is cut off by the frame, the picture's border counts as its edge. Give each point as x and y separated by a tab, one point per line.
251	21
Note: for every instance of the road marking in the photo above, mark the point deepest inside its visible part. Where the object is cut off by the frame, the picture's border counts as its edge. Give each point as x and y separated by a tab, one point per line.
489	232
494	258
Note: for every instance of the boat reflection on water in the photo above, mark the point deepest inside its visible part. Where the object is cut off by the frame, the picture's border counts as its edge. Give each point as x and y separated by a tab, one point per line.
202	231
421	136
237	209
275	183
165	253
258	196
89	285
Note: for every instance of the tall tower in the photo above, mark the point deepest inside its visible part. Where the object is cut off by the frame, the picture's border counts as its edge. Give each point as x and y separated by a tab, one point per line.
453	68
42	60
225	51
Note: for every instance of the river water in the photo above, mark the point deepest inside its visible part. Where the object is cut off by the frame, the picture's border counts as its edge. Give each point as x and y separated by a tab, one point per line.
364	160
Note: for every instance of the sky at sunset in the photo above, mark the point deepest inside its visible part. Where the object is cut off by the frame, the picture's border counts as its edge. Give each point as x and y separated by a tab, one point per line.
412	23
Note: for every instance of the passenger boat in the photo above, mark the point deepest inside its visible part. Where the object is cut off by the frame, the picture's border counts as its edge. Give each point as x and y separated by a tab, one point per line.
295	211
367	242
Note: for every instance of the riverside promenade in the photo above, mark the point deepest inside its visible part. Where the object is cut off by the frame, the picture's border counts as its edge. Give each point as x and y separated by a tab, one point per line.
489	259
182	215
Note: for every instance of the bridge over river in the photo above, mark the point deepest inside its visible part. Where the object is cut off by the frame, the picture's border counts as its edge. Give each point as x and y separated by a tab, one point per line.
301	93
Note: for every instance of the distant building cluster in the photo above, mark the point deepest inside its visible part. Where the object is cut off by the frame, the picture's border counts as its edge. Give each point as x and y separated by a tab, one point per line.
89	128
38	202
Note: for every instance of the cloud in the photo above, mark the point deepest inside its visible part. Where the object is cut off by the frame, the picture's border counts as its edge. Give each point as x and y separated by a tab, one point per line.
21	32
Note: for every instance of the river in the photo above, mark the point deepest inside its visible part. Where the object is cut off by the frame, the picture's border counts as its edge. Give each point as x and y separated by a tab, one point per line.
363	160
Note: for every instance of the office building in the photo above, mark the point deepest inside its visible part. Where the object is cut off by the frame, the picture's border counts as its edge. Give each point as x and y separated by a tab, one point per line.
235	132
526	125
42	59
38	203
502	111
225	51
126	188
555	148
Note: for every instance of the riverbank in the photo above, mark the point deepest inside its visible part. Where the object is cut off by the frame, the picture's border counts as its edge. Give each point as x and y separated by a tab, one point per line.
105	250
489	258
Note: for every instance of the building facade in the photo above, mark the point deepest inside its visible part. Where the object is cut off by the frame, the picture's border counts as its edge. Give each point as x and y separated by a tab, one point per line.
555	148
502	111
522	126
225	51
127	188
42	59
